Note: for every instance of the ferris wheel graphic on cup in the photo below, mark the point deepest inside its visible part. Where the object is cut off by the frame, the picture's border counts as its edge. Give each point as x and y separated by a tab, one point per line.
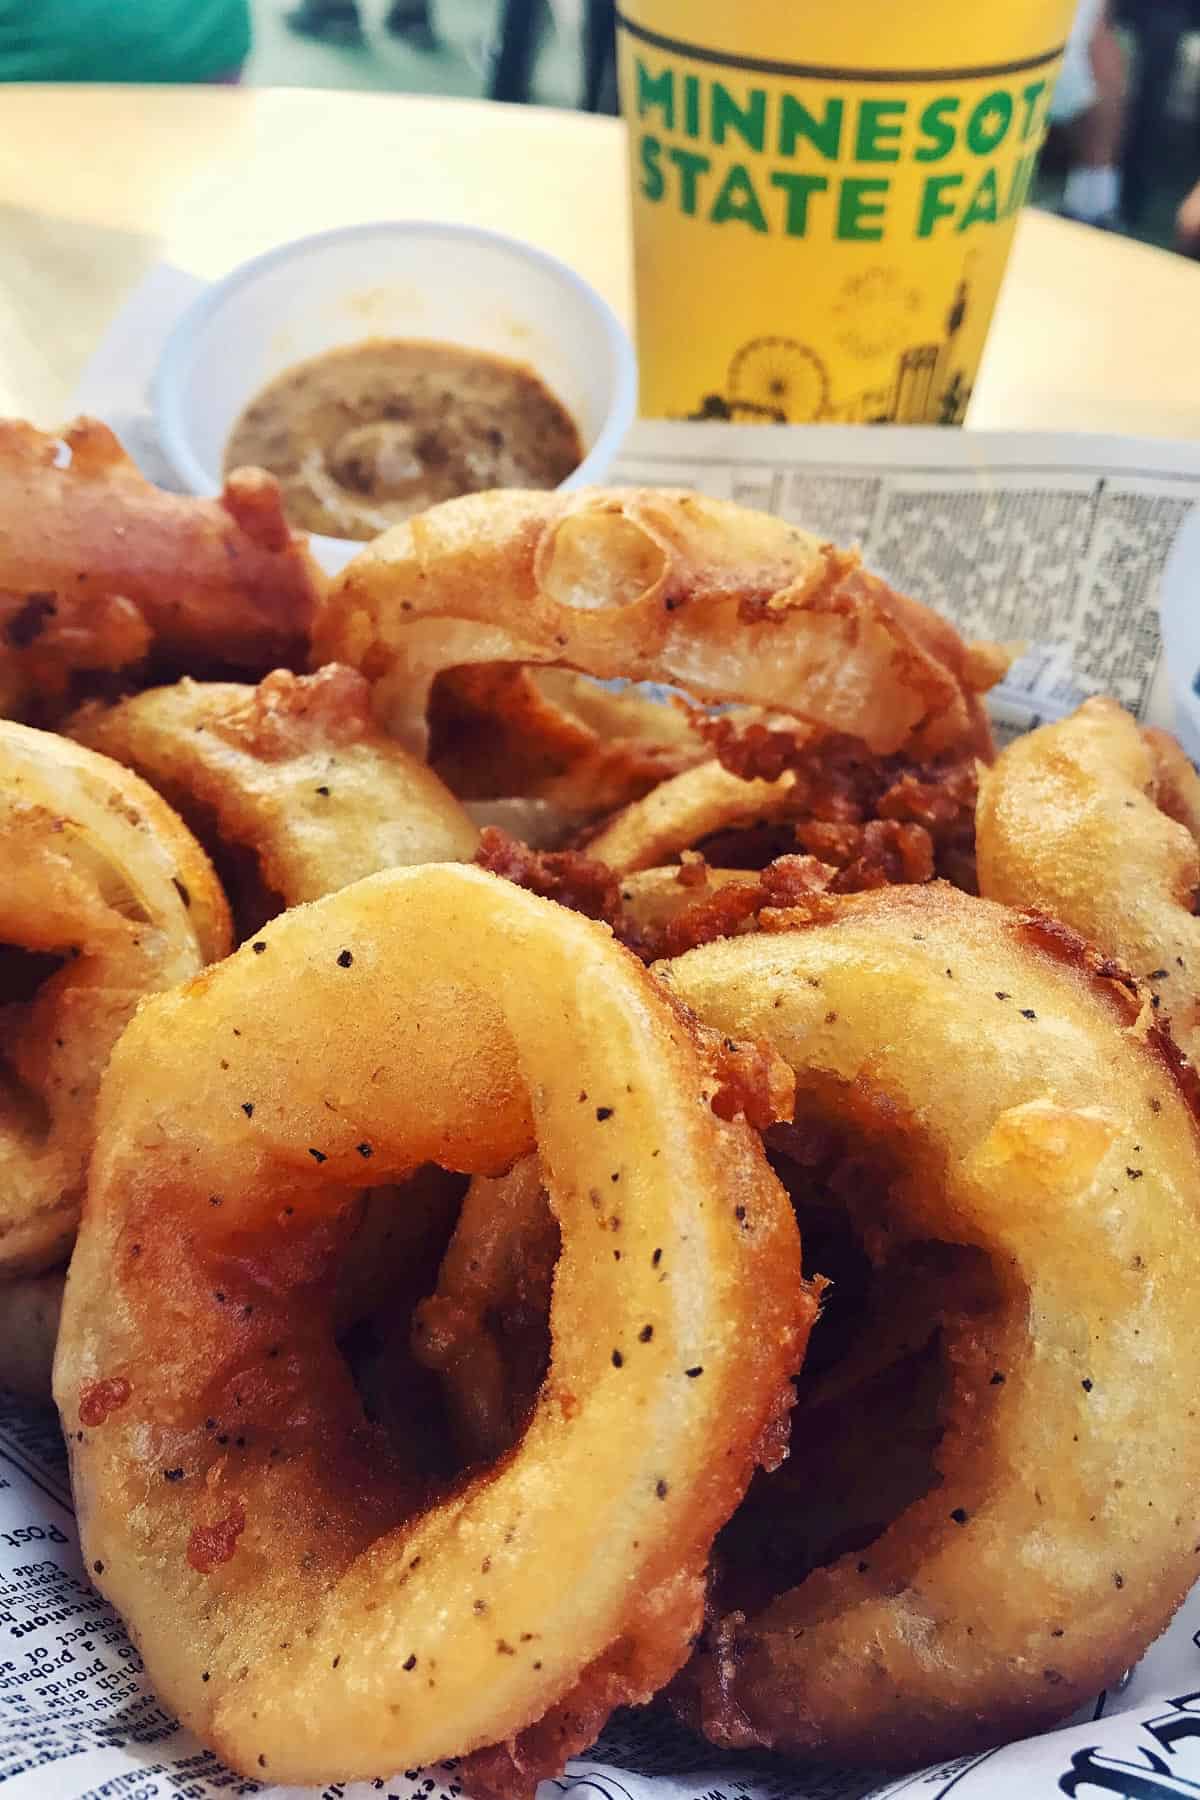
780	376
772	380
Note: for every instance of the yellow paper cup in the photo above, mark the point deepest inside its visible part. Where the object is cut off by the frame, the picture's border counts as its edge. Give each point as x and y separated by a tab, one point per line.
824	197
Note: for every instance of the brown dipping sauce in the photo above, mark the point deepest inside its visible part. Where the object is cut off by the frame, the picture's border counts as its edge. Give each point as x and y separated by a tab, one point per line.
363	437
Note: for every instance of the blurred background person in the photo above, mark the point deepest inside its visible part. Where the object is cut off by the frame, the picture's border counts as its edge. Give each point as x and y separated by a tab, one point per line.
599	57
1089	102
123	40
515	48
1154	156
341	21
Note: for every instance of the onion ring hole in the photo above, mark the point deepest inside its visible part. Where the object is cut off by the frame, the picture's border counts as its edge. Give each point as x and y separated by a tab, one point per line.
24	1115
870	1398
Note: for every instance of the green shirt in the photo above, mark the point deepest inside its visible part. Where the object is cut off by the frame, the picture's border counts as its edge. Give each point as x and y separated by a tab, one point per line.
122	40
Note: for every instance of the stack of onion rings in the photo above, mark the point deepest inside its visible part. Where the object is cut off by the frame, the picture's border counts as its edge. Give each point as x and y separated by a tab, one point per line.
1037	1113
383	1474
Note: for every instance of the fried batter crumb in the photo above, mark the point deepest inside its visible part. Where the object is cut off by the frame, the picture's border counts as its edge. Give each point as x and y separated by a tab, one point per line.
881	820
568	876
754	1082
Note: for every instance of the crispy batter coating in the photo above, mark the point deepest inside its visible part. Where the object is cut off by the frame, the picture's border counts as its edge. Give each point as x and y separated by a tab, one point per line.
102	572
105	896
654	585
879	820
291	777
667	911
656	912
1082	819
1039	1120
572	877
305	1602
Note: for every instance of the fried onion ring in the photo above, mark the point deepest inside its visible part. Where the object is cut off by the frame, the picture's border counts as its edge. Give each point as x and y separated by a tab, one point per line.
651	585
1037	1113
292	774
678	813
1081	819
104	896
100	571
1176	783
297	1596
499	731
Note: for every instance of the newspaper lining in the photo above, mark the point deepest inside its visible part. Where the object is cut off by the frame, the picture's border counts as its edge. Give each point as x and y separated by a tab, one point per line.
1056	542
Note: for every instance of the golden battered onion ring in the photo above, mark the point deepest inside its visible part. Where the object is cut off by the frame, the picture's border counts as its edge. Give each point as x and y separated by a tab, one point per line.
104	896
676	814
29	1312
499	731
1070	820
652	585
101	571
1176	783
292	771
1040	1115
295	1594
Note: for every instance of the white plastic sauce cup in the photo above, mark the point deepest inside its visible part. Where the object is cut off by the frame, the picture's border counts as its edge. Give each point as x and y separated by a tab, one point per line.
453	284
